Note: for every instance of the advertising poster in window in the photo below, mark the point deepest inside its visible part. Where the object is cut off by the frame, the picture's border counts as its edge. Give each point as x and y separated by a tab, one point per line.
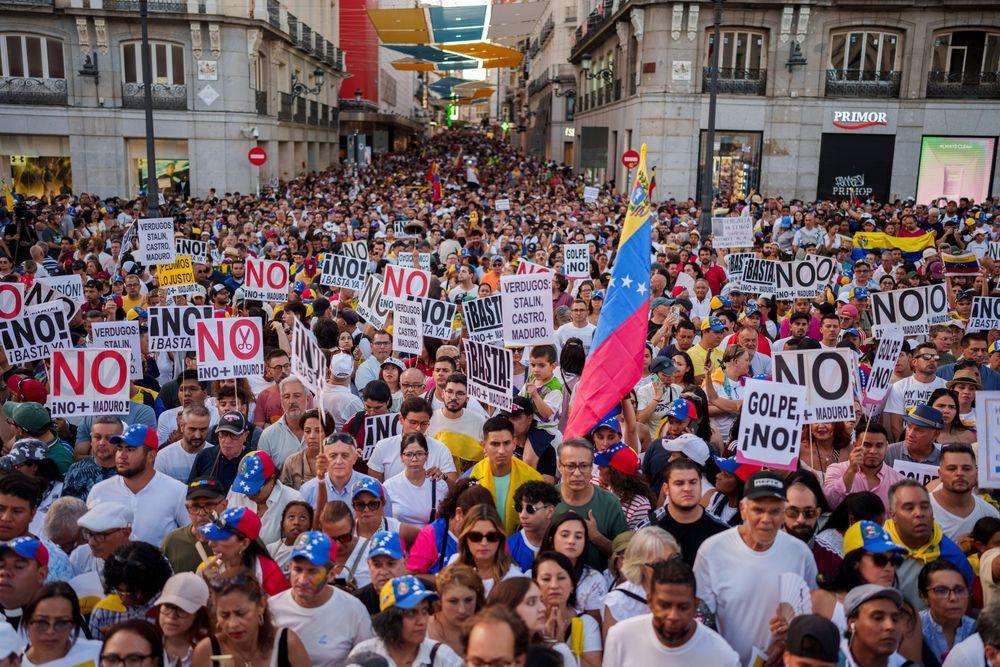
736	172
955	167
171	175
855	166
39	176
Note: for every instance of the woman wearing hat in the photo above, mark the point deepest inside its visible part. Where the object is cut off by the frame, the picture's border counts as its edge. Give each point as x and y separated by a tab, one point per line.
389	373
234	538
183	617
401	628
618	469
965	384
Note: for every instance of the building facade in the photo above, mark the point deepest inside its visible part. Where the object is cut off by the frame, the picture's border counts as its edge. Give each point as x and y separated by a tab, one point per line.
224	81
838	99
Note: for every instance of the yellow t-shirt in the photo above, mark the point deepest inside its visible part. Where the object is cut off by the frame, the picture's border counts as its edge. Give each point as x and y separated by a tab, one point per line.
697	354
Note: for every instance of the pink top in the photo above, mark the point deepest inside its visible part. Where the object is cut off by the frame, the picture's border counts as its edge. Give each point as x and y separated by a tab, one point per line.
833	483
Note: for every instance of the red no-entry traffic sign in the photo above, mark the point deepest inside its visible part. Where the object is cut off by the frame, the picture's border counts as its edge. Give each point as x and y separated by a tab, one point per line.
257	156
630	159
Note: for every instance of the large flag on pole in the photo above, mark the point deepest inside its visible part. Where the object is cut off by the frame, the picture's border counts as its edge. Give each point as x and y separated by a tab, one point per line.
616	354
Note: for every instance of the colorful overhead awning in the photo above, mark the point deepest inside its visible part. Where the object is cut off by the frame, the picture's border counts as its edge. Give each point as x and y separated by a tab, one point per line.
412	65
458	24
400	26
482	50
513	19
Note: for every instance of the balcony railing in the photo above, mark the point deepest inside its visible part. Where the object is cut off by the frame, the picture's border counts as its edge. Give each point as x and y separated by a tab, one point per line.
165	96
286	108
299	110
736	81
260	96
153	6
305	41
313	112
966	85
28	3
29	90
862	83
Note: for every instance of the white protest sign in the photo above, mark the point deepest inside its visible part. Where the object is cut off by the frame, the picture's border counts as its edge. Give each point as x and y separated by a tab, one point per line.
502	204
829	377
173	328
90	382
484	319
803	279
922	472
355	249
406	259
491	374
69	286
438	317
527	300
400	282
915	309
120	336
379	427
985	314
576	260
732	232
196	250
11	300
34	335
343	271
759	275
988	433
308	361
525	267
993	252
880	378
685	281
407	330
770	424
266	280
156	241
229	347
734	267
373	308
590	194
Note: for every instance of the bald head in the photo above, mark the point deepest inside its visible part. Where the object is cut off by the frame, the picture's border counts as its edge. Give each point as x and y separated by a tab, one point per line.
413	382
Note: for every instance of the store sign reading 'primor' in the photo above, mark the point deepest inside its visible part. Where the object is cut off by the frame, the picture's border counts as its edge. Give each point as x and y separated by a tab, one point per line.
855	120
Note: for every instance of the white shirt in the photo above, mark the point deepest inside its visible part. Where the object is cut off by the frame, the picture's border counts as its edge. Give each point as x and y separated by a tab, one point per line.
158	508
83	651
956	527
967	653
340	403
634	642
367	372
167	423
412	504
386	457
910	392
443	657
175	461
621	606
327	642
741	585
270	523
570	330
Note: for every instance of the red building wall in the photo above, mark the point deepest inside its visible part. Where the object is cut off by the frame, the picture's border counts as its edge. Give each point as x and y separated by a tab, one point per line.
360	42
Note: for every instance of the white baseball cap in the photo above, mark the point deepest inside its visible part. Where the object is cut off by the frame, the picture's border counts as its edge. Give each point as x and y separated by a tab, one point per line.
341	366
106	516
691	446
185	590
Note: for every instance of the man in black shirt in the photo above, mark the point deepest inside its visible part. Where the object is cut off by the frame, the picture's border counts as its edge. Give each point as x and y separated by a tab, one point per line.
223	461
684	517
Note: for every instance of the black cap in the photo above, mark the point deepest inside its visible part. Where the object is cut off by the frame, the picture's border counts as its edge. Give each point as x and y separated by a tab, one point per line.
813	637
205	487
522	406
764	485
232	422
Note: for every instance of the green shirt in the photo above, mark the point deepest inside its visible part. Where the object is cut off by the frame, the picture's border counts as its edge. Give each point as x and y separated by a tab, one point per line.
61	452
502	485
178	547
610	519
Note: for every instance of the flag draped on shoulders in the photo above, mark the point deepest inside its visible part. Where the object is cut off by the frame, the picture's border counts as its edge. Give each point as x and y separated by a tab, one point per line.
616	357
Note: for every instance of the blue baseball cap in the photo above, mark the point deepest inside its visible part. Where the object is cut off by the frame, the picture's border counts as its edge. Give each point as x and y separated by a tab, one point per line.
609	420
255	469
405	592
852	332
713	323
858	293
869	536
316	547
28	547
385	543
137	435
369	484
599	295
682	408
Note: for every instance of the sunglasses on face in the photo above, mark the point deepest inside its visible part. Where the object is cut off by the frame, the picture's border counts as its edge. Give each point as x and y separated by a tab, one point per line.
371	506
882	559
530	509
475	536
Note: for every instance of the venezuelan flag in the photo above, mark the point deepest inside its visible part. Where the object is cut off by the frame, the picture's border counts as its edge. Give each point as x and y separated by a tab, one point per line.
911	246
962	264
436	184
616	356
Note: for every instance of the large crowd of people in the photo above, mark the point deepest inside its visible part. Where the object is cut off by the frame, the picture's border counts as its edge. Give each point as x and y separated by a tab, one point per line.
254	522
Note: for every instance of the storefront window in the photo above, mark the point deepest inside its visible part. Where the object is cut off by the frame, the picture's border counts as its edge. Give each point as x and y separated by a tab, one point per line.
173	176
736	164
41	176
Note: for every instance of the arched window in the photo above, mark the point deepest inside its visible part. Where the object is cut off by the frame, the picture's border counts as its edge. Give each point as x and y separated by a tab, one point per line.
742	62
864	63
965	63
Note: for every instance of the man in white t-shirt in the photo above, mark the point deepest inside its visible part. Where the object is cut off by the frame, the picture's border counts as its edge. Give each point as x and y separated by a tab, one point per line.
914	390
669	635
190	391
739	570
577	327
329	621
956	507
177	458
414	417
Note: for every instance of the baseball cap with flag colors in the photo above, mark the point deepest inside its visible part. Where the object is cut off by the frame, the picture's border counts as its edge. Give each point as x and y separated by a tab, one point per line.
27	547
385	543
405	592
869	536
316	547
234	521
255	469
619	456
137	435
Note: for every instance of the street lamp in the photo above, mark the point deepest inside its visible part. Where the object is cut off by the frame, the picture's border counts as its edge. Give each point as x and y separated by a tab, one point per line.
707	195
604	73
300	89
357	95
152	187
559	92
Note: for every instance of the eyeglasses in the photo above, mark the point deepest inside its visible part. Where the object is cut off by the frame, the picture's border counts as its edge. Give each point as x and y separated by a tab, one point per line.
130	660
411	456
929	357
370	506
475	536
413	385
881	560
806	512
576	467
98	537
202	509
44	625
944	591
173	610
282	367
342	539
123	594
530	509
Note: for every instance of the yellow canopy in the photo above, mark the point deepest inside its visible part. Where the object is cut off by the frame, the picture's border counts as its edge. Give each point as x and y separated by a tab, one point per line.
400	26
